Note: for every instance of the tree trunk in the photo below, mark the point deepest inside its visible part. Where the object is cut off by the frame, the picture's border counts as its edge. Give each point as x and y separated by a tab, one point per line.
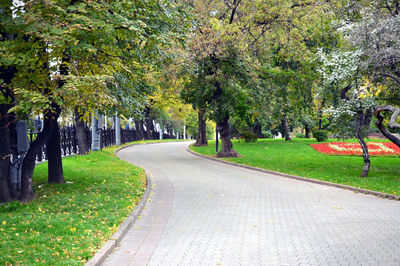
360	138
81	136
227	146
149	124
286	128
201	139
307	129
55	167
6	120
139	129
28	165
53	146
257	130
5	152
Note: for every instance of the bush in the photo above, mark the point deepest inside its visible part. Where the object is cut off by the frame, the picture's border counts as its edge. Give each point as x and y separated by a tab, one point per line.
267	134
321	135
248	136
300	136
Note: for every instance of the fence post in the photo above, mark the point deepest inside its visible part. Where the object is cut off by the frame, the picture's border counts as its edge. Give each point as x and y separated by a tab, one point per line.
96	132
117	130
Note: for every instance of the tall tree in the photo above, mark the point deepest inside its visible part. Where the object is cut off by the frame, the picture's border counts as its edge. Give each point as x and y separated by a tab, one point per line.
67	54
219	63
376	35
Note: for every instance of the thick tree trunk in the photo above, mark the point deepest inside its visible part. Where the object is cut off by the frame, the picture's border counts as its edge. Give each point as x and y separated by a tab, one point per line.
139	129
286	128
53	146
227	146
360	138
307	129
5	152
28	165
258	131
81	136
55	167
201	139
6	121
149	124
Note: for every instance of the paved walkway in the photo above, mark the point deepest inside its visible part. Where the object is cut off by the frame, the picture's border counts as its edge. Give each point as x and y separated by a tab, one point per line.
206	213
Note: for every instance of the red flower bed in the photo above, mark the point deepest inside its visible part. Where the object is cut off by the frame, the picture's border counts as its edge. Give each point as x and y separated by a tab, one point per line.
343	148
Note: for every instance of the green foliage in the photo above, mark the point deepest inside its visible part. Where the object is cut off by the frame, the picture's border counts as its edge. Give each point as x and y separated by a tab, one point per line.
299	158
248	136
307	121
267	134
192	126
107	50
210	130
300	135
321	135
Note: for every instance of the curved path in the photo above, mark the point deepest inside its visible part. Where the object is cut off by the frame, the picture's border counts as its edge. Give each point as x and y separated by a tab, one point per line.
202	212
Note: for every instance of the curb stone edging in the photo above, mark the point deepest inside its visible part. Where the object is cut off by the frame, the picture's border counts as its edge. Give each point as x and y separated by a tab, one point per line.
310	180
109	246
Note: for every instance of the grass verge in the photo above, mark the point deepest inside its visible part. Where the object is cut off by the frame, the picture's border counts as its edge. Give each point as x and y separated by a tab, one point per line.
67	223
297	157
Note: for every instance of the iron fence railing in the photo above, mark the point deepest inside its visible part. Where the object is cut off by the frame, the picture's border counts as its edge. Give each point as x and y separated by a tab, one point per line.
69	142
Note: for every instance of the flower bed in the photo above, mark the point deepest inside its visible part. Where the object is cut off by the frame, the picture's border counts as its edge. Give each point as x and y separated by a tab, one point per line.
343	148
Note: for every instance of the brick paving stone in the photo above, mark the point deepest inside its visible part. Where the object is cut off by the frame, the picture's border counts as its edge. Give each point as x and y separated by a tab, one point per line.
207	213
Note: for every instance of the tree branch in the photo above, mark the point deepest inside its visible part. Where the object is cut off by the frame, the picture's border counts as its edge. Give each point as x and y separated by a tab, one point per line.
301	5
343	95
391	76
379	123
234	10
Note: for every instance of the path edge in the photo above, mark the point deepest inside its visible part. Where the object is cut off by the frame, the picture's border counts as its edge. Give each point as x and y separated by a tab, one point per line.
109	246
310	180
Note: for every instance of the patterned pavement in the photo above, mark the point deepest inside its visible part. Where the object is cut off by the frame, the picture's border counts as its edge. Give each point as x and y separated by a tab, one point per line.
202	212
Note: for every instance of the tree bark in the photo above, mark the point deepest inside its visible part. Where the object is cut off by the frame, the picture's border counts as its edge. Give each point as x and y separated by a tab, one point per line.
286	128
257	130
392	123
307	129
139	129
28	165
201	139
6	121
149	124
81	136
55	167
360	138
5	153
53	146
227	146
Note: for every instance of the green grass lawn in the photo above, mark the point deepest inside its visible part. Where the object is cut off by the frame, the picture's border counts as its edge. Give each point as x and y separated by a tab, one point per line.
67	223
297	157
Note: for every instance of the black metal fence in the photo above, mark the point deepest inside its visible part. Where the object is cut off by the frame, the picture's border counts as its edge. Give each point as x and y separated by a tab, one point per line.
128	135
69	142
107	137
